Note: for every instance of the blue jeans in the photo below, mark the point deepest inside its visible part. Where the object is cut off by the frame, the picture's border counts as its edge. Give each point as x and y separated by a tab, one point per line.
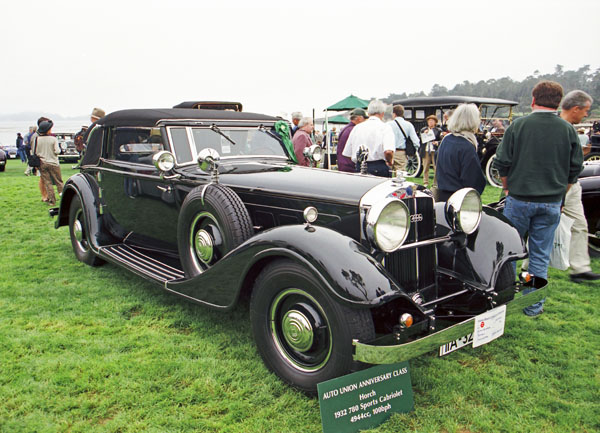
539	221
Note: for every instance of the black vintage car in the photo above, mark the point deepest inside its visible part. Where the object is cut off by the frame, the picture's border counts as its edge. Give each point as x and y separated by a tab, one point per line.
340	269
3	159
590	197
496	115
66	142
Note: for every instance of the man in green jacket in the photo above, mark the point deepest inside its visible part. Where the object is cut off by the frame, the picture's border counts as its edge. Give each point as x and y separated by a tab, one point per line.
538	159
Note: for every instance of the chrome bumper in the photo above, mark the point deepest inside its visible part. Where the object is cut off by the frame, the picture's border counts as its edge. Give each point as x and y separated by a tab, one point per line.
372	354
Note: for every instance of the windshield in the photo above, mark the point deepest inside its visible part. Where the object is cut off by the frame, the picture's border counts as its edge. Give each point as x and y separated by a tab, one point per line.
187	142
495	111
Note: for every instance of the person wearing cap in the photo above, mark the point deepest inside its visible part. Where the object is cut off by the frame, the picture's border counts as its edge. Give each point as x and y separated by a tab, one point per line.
48	150
430	137
32	142
358	115
97	113
377	137
398	123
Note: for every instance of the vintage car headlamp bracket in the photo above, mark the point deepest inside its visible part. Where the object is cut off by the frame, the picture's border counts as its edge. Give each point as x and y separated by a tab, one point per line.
463	210
387	224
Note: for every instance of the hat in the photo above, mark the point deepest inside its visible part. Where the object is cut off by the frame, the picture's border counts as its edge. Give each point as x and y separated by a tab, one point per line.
433	117
45	126
359	112
98	113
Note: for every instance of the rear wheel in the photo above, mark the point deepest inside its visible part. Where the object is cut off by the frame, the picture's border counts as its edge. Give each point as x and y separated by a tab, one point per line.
492	174
413	165
78	231
303	335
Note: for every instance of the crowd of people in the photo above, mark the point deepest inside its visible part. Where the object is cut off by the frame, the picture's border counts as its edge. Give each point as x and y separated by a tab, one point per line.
539	160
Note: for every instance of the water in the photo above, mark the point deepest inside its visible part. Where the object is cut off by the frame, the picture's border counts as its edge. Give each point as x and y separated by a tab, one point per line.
9	129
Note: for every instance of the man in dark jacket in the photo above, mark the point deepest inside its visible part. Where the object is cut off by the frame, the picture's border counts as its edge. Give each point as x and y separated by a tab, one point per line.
358	115
538	159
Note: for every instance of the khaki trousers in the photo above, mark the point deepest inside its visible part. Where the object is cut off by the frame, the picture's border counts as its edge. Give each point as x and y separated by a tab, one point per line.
399	160
579	258
51	173
429	158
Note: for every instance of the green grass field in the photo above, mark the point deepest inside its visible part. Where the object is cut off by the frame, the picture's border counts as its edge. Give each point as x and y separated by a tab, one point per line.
101	350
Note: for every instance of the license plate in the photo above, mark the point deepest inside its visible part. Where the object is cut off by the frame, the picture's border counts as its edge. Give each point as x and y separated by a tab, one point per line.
456	344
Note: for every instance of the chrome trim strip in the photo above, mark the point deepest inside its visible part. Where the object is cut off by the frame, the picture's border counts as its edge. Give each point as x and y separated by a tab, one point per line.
372	354
425	243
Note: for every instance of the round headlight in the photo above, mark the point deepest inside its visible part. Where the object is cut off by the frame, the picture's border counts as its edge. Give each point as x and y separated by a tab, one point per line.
164	161
311	214
388	223
314	153
463	210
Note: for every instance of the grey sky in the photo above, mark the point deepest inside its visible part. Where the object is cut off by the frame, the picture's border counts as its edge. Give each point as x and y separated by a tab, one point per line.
68	56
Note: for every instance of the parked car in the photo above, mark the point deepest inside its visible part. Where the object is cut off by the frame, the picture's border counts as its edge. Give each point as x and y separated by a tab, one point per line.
594	152
340	269
11	151
66	142
3	159
496	115
590	196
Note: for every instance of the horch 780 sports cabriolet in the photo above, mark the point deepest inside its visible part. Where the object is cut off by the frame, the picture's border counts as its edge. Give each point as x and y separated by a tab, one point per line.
342	270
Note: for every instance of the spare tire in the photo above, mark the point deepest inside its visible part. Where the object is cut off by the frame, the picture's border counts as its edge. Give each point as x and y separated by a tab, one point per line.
213	221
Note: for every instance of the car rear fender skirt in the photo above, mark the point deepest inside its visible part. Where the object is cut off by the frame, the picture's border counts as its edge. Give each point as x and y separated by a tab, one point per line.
344	267
480	255
86	188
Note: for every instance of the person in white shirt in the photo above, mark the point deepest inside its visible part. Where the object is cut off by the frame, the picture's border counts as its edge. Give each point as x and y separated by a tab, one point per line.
377	137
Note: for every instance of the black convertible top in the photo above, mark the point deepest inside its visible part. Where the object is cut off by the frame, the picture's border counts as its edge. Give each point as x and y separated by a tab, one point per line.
150	117
210	105
443	101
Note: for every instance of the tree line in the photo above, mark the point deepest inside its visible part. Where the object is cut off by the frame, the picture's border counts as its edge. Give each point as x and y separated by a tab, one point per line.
520	91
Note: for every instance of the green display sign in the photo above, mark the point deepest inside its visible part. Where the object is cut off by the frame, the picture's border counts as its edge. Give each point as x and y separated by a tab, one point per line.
365	399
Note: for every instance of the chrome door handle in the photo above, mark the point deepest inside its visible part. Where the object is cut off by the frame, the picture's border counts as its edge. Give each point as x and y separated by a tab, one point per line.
164	188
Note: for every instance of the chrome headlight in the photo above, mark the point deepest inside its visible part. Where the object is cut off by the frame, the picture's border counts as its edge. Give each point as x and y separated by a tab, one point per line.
314	153
463	210
388	223
164	161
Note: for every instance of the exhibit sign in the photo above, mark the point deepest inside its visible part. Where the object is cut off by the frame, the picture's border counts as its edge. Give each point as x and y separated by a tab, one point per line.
365	399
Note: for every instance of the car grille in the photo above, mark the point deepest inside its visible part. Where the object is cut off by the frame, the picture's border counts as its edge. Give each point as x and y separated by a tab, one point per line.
414	268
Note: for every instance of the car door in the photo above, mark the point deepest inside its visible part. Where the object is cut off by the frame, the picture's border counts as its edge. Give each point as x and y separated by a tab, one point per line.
139	201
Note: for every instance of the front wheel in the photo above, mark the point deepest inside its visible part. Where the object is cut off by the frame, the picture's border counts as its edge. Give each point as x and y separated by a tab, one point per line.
492	174
303	335
592	156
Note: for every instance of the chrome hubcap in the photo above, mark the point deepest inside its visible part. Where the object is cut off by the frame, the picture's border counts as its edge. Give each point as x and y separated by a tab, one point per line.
78	231
297	330
203	245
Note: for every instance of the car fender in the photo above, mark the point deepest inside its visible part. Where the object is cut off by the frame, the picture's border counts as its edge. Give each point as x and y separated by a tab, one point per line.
86	187
344	267
472	257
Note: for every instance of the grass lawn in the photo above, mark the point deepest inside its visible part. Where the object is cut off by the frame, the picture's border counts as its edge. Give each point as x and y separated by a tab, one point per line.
101	350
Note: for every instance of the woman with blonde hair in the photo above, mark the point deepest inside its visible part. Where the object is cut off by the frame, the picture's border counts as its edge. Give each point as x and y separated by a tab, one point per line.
457	162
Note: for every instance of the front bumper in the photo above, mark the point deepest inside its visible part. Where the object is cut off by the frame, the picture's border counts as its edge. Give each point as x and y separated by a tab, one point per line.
373	354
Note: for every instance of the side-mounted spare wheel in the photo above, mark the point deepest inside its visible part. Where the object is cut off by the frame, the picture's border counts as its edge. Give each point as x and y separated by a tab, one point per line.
213	221
78	231
302	334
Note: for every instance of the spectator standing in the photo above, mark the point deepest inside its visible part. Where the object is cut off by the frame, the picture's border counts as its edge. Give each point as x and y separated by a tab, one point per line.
358	115
33	138
81	137
430	137
575	107
32	130
296	118
457	161
377	137
21	148
47	149
538	159
401	128
302	140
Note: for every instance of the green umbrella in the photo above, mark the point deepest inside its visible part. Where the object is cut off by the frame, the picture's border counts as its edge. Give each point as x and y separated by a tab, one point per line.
349	103
338	119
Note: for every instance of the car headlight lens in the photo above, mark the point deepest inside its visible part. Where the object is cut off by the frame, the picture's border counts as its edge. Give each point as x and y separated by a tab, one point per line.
463	210
164	161
314	153
388	223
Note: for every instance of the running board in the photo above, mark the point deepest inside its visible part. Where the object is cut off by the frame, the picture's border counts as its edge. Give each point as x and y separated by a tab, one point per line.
141	263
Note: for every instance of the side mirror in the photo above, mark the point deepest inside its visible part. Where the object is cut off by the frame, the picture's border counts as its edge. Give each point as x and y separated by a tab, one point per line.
314	153
208	161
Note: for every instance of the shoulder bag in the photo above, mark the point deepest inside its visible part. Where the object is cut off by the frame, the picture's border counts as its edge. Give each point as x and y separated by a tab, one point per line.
410	146
34	160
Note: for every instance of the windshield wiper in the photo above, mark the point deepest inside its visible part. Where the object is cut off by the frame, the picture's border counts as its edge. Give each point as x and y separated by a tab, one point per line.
218	131
262	128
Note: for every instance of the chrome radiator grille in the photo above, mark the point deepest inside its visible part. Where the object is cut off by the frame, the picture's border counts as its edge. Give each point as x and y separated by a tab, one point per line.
414	268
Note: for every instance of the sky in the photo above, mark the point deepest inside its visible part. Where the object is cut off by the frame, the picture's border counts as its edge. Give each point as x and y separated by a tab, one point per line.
275	57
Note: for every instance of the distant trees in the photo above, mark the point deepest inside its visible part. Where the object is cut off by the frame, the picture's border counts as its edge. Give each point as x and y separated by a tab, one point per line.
506	88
